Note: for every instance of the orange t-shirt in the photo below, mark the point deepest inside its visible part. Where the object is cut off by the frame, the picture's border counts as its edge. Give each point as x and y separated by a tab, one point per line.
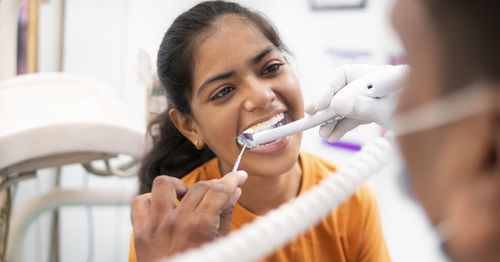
353	232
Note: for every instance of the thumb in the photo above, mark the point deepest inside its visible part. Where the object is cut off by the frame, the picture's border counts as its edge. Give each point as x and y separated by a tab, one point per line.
341	128
226	215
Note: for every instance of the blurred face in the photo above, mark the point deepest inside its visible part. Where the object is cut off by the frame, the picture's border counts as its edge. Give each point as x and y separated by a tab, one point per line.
451	167
422	50
241	81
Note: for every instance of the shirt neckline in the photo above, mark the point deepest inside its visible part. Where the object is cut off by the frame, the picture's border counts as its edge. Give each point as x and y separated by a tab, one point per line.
241	215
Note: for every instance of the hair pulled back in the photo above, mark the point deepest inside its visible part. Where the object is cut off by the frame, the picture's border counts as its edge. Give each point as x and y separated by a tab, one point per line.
171	153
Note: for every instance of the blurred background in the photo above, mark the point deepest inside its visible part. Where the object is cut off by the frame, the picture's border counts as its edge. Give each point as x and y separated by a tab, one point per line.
115	42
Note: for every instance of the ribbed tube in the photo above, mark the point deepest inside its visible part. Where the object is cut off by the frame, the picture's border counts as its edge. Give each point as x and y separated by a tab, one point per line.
267	233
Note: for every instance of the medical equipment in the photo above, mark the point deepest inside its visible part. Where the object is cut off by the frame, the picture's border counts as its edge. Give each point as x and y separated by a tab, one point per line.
360	104
374	85
259	138
237	163
56	119
278	227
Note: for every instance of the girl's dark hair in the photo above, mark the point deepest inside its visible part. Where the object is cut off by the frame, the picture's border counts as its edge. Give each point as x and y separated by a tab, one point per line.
469	34
172	154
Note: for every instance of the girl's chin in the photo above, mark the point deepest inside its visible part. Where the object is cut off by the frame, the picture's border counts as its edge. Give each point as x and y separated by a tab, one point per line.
269	168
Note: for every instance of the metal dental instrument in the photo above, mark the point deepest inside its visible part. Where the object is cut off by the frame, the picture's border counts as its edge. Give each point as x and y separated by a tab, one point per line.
237	163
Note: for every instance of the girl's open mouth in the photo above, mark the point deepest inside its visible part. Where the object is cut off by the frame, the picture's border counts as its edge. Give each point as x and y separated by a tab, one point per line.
276	121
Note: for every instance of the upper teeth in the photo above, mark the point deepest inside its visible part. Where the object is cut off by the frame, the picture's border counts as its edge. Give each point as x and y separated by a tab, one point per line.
263	125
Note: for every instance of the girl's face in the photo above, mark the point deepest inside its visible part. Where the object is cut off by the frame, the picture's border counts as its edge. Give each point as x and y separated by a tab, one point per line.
241	79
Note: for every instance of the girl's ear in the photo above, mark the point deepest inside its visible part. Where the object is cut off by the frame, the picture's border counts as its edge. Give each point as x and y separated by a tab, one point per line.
186	125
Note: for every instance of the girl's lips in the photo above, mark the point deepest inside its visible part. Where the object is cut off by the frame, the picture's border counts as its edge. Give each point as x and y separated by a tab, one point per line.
273	147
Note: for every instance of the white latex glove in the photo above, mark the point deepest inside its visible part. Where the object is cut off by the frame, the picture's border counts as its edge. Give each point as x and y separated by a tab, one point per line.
362	94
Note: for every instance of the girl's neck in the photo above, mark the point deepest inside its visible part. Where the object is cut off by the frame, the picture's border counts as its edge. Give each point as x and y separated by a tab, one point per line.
261	194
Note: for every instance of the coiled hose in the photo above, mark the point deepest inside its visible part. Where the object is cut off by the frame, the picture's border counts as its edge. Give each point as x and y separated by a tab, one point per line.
267	233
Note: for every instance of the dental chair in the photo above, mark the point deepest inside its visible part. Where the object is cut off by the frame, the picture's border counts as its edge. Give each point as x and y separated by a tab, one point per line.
53	120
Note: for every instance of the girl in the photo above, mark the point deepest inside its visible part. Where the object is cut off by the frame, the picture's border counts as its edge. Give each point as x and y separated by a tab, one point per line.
224	71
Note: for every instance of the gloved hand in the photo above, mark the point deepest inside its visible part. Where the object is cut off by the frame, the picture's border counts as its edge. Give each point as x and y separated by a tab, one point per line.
362	94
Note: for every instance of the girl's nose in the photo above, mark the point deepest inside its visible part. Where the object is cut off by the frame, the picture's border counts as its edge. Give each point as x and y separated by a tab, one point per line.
259	95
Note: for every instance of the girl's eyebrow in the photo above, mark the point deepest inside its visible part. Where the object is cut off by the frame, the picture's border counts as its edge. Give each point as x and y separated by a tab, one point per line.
261	55
215	78
226	75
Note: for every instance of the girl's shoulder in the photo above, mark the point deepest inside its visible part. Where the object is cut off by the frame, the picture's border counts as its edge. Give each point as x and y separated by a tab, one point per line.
207	171
315	167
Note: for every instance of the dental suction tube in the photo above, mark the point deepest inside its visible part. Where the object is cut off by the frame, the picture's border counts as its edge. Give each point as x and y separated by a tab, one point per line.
261	237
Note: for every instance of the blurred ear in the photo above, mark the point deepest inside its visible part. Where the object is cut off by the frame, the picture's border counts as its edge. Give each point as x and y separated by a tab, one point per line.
187	126
472	219
494	158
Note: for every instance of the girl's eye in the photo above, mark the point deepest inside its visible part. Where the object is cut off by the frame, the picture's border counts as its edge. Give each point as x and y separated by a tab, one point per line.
224	91
272	68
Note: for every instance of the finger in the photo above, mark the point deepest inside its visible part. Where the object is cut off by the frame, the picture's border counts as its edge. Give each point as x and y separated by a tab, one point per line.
343	126
193	197
353	72
375	110
338	78
140	210
235	179
320	102
343	103
164	194
345	74
327	93
326	130
226	215
335	81
220	193
310	107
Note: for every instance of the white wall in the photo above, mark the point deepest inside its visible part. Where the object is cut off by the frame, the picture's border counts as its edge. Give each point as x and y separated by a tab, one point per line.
102	40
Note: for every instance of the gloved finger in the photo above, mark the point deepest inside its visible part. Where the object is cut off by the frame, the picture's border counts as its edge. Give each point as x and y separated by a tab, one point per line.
345	74
326	130
338	78
321	101
310	107
367	107
335	81
343	103
353	72
343	126
374	110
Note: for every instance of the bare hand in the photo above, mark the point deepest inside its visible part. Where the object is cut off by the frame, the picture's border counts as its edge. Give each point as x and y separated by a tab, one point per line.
162	228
